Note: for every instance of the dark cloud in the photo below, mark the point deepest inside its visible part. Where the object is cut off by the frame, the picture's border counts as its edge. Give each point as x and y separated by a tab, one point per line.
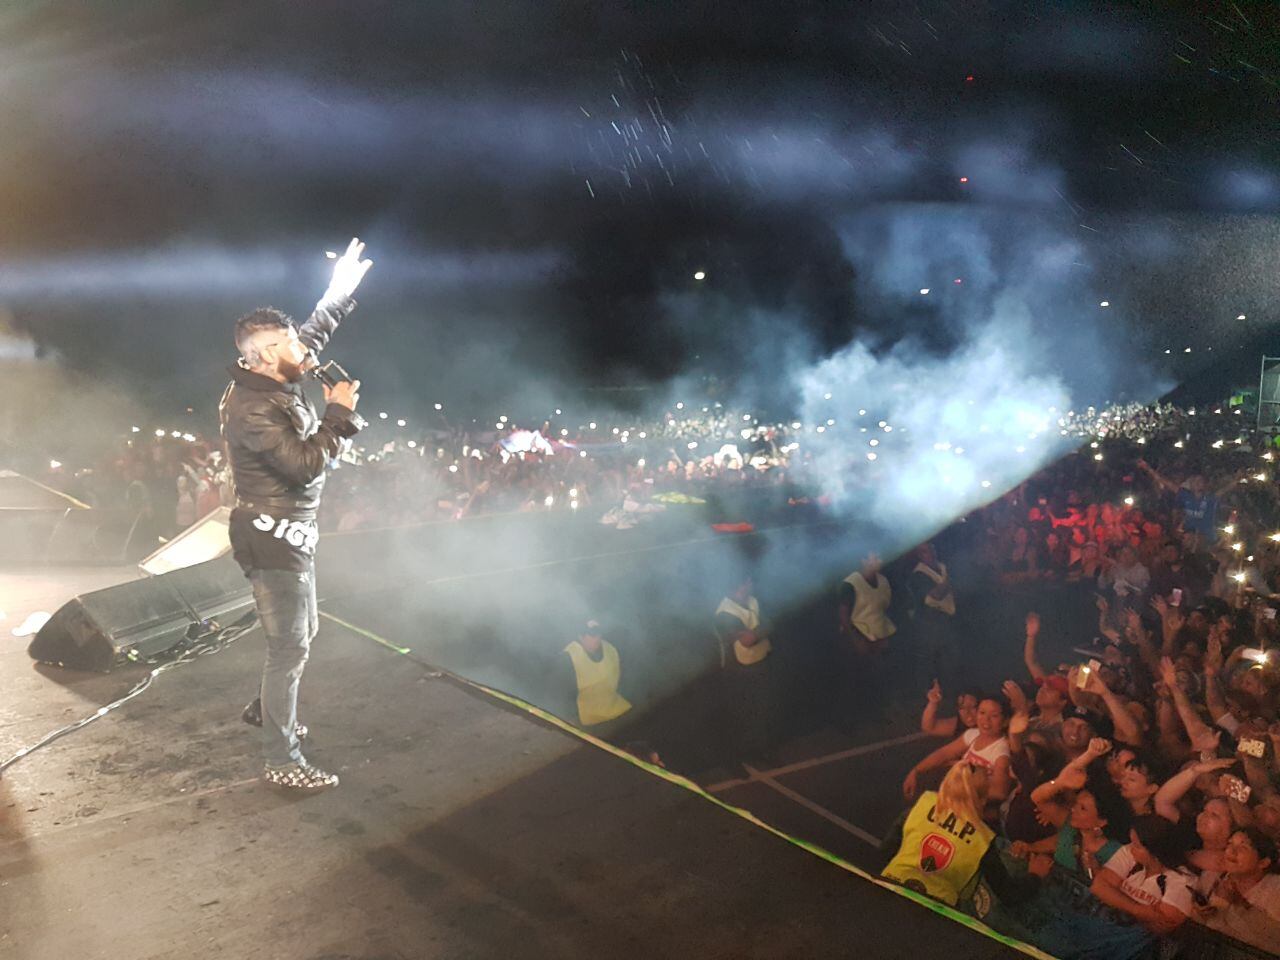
538	182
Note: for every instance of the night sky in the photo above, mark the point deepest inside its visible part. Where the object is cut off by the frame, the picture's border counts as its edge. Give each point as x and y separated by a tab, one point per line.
538	184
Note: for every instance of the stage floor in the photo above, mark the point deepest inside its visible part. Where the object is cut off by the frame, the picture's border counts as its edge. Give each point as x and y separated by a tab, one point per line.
462	828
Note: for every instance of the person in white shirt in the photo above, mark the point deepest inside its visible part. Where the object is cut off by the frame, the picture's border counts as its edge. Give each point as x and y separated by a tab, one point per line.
1149	897
1129	579
985	746
1243	901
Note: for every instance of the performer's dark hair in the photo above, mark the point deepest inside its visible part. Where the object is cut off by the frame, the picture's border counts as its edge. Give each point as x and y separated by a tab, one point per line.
263	318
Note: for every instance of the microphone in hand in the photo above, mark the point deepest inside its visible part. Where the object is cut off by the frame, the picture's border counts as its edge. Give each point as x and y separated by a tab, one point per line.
346	393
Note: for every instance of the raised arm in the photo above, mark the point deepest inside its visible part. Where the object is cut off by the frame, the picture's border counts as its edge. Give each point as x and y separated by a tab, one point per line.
945	754
1197	729
1228	486
1213	697
1176	787
1157	478
1029	646
336	302
1073	775
929	722
1126	727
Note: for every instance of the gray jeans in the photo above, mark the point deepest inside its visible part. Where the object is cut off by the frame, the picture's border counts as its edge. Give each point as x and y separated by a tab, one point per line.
286	601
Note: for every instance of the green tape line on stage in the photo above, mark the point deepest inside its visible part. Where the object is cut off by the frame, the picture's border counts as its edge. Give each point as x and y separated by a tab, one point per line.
685	783
365	633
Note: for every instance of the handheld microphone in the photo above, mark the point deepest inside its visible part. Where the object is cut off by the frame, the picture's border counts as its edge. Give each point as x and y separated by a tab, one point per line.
330	373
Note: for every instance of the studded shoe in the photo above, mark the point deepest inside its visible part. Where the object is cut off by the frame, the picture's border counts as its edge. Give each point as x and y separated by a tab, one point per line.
252	715
299	776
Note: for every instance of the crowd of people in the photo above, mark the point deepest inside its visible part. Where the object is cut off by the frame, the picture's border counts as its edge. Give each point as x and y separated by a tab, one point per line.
1120	800
1115	804
1124	802
166	480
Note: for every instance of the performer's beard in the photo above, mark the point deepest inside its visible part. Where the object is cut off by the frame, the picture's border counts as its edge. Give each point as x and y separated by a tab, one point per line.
292	372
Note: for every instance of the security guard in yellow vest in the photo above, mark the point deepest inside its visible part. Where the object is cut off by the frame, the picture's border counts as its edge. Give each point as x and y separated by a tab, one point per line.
597	670
944	843
939	856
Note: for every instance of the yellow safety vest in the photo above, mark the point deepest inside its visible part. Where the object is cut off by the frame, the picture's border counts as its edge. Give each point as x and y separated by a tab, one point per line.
870	606
598	697
750	617
940	859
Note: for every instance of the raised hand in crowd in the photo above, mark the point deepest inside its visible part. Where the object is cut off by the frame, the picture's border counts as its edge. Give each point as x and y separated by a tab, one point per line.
934	693
1017	698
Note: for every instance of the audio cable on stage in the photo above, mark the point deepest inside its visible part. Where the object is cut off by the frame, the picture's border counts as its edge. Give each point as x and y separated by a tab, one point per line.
185	652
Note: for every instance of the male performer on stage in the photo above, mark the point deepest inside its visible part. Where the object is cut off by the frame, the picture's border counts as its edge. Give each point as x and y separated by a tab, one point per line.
278	448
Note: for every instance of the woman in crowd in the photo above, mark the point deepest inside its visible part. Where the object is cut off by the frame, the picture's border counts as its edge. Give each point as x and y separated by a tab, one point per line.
1146	893
966	716
983	746
1242	899
942	846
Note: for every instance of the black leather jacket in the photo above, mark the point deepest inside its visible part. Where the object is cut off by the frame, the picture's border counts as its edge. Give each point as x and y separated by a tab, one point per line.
277	446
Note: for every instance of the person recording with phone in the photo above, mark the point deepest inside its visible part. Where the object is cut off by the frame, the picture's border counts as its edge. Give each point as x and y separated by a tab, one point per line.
278	448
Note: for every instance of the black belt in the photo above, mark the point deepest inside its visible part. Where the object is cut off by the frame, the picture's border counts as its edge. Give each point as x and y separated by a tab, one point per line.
275	507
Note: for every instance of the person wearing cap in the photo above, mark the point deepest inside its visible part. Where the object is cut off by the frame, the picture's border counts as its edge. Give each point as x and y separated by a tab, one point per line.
1053	699
1054	693
597	671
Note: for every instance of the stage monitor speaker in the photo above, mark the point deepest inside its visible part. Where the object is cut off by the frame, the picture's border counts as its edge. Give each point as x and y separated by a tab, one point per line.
142	618
206	539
